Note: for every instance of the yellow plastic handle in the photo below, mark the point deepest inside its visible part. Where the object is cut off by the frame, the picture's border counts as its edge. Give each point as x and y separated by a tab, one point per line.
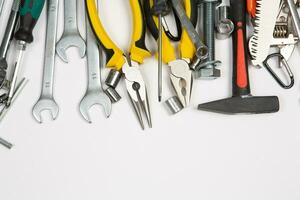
138	49
115	58
168	51
186	46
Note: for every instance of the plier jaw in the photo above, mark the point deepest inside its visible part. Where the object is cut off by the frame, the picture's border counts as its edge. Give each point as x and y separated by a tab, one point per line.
181	79
137	92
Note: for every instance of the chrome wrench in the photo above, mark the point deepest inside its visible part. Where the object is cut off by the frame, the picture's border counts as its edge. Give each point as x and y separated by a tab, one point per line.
71	36
46	100
94	94
7	38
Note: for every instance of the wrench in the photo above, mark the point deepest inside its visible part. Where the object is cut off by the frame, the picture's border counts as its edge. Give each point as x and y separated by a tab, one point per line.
46	100
94	94
71	36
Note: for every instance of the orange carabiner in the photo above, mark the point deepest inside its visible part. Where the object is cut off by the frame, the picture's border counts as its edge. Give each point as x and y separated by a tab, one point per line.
251	7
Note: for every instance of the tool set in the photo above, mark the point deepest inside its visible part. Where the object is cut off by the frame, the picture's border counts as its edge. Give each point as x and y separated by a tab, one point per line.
189	52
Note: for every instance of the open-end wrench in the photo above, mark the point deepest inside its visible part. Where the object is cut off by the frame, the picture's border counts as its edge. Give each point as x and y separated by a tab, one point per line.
46	100
71	36
94	94
7	38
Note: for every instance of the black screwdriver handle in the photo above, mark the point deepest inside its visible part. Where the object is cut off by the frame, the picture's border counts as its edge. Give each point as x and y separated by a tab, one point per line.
30	11
240	78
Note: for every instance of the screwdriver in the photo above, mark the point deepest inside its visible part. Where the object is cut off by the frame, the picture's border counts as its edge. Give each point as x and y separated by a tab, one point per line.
30	11
160	9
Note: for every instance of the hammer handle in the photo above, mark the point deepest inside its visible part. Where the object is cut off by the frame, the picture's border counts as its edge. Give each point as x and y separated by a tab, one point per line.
240	76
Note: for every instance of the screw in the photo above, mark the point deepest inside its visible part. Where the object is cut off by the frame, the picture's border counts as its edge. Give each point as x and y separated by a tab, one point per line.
208	68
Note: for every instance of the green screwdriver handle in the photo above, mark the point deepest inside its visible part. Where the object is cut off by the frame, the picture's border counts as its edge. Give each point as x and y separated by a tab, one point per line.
30	11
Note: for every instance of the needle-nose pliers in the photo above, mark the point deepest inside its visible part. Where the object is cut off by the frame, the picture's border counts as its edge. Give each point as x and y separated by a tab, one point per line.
128	64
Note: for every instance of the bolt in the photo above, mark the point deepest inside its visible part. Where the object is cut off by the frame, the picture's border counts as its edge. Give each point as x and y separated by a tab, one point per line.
208	68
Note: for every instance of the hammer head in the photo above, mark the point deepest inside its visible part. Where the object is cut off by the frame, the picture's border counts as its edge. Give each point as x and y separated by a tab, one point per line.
241	104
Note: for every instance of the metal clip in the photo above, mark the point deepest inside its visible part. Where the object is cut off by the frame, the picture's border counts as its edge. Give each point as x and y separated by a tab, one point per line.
285	65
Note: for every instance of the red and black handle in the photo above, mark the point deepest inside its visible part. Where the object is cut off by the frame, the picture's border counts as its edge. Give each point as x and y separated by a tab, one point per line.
240	76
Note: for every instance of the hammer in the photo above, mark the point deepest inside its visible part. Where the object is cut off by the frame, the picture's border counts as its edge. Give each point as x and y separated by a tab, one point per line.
241	101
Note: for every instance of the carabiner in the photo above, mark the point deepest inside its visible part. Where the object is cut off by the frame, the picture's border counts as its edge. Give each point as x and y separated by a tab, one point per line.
285	65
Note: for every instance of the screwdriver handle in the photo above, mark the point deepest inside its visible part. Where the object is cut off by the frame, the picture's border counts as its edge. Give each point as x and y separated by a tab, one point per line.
30	11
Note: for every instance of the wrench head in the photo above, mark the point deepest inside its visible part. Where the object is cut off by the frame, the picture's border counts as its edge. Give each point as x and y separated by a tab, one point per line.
67	41
43	105
94	98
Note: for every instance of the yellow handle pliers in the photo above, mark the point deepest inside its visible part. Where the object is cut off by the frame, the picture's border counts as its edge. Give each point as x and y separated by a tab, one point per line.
117	59
180	72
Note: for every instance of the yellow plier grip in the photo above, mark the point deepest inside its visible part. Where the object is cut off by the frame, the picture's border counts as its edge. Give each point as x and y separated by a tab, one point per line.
138	49
115	56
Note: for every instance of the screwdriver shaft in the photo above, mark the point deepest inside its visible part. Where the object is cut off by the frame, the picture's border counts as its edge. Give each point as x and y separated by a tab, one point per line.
14	78
160	52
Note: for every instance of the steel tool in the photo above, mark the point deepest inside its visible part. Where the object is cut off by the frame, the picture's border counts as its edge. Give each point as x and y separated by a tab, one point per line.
7	38
5	143
71	36
224	24
201	48
46	100
160	9
242	101
29	14
117	60
94	94
208	68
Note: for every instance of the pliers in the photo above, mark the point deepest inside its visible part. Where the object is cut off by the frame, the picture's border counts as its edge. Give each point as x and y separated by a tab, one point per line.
129	64
180	72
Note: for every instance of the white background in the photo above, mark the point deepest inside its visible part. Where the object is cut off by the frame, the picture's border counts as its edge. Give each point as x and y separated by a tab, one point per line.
192	155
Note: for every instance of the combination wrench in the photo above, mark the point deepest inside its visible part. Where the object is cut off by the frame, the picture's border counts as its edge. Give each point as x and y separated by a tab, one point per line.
71	36
7	38
94	94
46	100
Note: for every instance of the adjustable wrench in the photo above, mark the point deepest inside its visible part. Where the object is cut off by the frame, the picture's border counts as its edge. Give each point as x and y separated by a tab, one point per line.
94	94
46	100
9	30
71	36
